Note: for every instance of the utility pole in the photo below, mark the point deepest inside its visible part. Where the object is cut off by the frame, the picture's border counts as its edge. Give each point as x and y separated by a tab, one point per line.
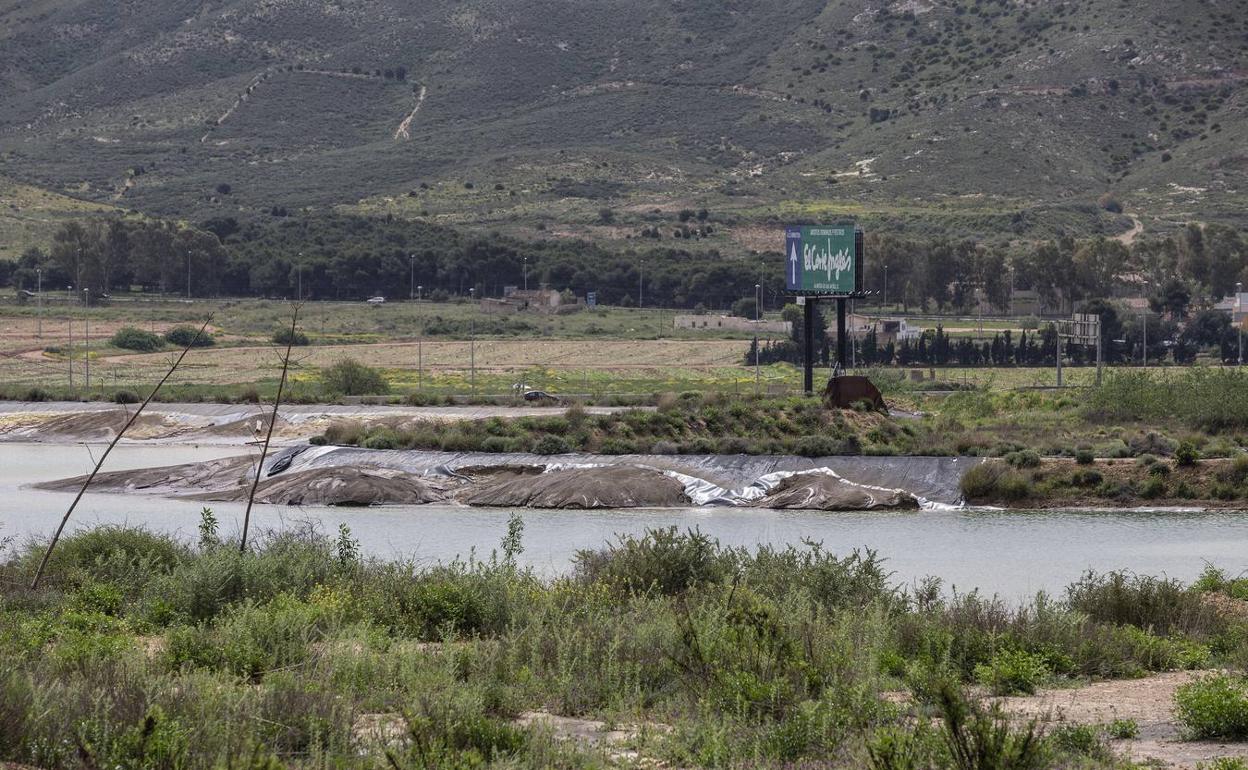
472	353
411	287
420	360
641	272
299	279
758	316
69	348
526	273
886	286
39	301
188	273
86	350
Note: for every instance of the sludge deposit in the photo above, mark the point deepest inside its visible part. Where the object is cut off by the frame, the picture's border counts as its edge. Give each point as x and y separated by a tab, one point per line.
318	475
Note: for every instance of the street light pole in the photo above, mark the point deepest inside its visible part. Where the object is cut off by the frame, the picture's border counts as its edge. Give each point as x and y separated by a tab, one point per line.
526	273
641	273
86	345
886	286
299	279
411	286
39	300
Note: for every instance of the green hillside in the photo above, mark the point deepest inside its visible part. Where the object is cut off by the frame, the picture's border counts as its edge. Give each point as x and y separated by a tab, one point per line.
604	119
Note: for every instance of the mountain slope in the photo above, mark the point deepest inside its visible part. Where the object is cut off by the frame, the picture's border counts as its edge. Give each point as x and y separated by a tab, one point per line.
966	117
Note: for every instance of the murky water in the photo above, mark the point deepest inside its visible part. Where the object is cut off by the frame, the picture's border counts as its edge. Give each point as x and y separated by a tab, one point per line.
1012	553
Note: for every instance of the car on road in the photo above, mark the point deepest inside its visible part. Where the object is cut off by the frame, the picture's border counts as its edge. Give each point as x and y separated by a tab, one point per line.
378	300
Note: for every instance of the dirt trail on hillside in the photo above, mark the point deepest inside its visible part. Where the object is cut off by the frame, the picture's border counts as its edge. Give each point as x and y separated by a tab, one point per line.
1148	701
403	131
1137	228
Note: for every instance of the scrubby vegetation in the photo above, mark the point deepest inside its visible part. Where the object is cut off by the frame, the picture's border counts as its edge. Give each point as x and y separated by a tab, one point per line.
130	338
186	335
686	424
143	651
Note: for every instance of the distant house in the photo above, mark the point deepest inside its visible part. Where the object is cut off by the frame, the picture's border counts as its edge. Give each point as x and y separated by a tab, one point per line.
1237	306
731	323
543	300
886	329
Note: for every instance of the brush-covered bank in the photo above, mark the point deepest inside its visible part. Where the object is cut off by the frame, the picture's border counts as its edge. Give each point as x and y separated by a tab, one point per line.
142	651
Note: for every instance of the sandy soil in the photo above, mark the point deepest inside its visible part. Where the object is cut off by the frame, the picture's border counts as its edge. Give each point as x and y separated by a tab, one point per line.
1149	701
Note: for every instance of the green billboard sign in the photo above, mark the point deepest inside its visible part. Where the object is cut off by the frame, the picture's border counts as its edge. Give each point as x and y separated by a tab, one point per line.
823	259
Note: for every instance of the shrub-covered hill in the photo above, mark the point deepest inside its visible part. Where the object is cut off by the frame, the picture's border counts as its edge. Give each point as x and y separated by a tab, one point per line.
532	110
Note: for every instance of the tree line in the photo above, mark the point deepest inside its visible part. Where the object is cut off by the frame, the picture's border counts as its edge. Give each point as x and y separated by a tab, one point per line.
343	257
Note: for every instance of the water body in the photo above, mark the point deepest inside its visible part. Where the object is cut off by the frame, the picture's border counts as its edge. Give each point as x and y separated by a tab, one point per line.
1013	553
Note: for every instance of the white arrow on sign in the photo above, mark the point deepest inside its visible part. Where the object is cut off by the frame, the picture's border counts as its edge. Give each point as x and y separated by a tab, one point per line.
793	264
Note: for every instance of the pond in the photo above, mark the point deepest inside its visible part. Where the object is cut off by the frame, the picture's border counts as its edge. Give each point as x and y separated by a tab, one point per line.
1013	553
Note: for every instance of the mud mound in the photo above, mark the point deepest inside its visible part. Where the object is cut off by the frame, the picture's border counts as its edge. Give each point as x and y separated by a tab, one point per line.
213	475
620	486
335	486
100	425
825	492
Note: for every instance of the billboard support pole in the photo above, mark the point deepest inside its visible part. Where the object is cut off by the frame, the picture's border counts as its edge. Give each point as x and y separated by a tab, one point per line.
808	378
840	335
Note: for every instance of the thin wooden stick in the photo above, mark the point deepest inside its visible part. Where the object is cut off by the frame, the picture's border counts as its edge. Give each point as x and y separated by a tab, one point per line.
281	385
55	538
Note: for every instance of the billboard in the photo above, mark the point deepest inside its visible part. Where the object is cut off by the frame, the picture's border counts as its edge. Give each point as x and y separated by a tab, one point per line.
825	259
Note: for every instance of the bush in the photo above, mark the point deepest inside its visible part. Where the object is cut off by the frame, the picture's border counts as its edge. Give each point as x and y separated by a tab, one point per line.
994	480
1186	455
283	336
185	335
1013	672
1123	729
1215	707
1027	458
130	338
126	397
349	377
551	444
663	560
1085	457
1153	488
37	394
1143	601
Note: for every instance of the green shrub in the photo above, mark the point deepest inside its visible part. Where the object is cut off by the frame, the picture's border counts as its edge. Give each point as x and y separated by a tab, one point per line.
1143	601
1153	488
1080	740
663	560
185	335
1123	729
551	444
994	480
139	340
349	377
283	336
1085	457
1026	458
1013	672
126	397
1186	455
1214	707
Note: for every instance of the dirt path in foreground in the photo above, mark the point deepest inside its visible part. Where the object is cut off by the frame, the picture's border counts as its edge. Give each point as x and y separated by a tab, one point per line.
1149	701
